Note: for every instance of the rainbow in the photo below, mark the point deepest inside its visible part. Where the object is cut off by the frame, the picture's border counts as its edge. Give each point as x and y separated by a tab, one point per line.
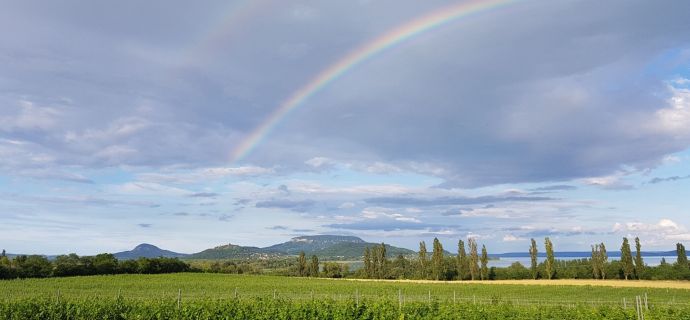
232	18
348	62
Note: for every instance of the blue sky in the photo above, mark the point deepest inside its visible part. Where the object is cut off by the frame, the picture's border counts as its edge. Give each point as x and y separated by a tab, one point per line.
562	119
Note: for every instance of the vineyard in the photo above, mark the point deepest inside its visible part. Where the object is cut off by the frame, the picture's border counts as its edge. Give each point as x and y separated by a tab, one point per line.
213	296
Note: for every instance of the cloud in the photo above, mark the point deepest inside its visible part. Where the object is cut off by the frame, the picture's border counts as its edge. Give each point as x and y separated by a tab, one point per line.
457	200
145	225
294	205
204	195
656	180
512	238
559	187
277	228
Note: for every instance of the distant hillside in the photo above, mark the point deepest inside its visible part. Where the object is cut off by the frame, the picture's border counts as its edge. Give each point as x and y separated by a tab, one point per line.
333	247
581	254
231	251
146	250
310	244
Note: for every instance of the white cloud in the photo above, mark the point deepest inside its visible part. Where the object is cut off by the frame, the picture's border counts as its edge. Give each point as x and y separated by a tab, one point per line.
512	238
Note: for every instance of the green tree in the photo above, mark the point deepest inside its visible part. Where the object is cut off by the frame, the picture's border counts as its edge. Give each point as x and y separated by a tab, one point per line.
302	265
474	258
3	253
437	260
603	260
380	261
596	255
682	257
626	259
422	260
533	252
639	264
550	263
485	262
462	266
368	269
104	263
314	266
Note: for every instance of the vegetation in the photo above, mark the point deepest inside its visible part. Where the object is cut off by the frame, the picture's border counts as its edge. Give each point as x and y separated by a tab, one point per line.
214	296
36	266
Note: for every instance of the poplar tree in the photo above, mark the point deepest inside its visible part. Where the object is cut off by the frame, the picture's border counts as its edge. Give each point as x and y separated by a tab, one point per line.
596	255
314	267
422	260
382	267
474	258
682	257
639	264
462	266
302	264
533	251
603	260
485	262
437	260
626	259
367	263
550	263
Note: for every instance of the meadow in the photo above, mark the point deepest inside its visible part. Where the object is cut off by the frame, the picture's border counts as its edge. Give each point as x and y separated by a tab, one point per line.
219	296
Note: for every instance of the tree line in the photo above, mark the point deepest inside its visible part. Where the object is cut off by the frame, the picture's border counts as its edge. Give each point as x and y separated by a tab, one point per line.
37	266
472	264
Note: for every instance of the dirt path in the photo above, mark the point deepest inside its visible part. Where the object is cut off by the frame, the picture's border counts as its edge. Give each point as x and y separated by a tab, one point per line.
563	282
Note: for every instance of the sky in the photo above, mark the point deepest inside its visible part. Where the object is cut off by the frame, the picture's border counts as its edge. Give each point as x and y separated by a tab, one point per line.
160	121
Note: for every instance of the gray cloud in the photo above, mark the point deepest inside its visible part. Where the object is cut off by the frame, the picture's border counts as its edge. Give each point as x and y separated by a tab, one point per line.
444	201
145	225
204	195
667	179
294	205
559	187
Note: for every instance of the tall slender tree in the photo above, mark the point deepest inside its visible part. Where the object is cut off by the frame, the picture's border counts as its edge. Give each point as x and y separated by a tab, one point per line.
603	260
302	264
626	259
474	259
682	257
533	252
462	266
422	260
382	267
437	260
314	266
485	264
596	255
639	264
550	263
368	269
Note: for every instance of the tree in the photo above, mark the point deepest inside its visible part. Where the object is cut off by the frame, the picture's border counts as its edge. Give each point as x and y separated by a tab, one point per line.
368	269
474	258
3	253
682	257
603	260
314	266
626	259
422	260
550	263
595	261
533	251
462	266
302	264
437	260
380	263
485	262
639	264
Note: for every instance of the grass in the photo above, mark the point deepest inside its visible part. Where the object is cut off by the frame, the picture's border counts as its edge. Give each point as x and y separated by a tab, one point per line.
198	286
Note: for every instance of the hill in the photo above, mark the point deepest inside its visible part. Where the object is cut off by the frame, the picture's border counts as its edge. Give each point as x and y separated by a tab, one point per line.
146	250
332	247
231	251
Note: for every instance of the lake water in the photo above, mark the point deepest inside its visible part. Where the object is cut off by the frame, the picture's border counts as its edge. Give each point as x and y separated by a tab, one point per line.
525	261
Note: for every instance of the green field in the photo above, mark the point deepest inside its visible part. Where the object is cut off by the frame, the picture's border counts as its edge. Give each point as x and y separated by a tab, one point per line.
144	296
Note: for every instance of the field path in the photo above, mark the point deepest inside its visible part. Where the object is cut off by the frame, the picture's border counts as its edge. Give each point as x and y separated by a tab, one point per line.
559	282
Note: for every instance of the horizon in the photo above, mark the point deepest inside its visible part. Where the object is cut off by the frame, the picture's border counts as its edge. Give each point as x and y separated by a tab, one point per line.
191	125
